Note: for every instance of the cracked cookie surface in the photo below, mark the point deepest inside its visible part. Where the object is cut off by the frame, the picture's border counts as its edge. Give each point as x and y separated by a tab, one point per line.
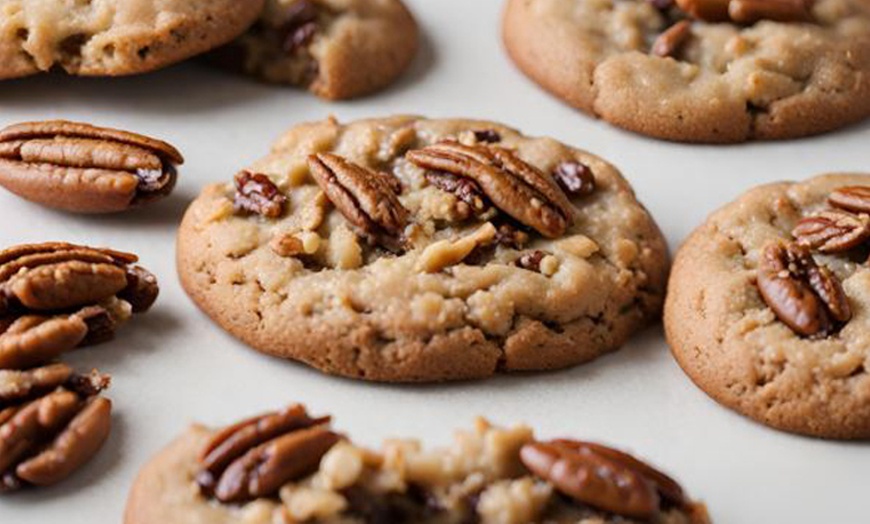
436	250
337	49
723	83
489	475
114	37
752	334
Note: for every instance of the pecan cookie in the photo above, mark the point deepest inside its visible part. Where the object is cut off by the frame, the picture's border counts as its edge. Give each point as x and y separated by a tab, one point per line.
114	37
767	309
288	467
337	49
407	249
700	70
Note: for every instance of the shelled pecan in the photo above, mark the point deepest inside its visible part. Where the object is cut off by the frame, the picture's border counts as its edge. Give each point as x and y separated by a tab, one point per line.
748	11
57	296
256	194
365	197
602	477
805	296
515	187
833	231
256	457
85	169
52	422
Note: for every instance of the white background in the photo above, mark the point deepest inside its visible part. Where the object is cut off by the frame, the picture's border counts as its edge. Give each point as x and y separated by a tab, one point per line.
173	366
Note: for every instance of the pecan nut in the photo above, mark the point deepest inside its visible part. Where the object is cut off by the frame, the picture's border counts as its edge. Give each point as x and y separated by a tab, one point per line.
851	198
807	297
365	198
56	422
575	178
602	477
748	11
256	194
85	169
57	296
515	187
256	457
672	40
833	231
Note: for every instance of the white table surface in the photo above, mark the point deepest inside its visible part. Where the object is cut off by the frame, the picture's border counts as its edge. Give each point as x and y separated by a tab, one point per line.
173	366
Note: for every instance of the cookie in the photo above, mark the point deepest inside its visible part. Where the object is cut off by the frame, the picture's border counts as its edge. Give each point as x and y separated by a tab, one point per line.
767	306
755	70
114	37
407	249
289	467
337	49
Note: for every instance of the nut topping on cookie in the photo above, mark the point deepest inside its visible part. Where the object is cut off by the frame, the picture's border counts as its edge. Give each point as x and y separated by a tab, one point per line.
365	197
512	185
58	296
748	11
851	198
602	477
85	169
805	296
575	178
256	194
669	43
256	457
52	423
833	231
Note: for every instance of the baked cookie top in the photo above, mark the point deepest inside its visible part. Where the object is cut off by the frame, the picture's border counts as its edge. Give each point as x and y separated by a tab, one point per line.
335	48
306	472
692	71
767	306
114	37
413	249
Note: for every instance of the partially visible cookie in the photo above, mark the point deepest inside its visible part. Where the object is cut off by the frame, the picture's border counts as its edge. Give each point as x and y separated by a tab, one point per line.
767	308
289	467
407	249
337	49
695	72
114	37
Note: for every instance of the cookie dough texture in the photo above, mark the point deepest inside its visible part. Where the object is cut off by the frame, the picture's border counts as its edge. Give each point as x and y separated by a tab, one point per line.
732	345
730	83
358	47
114	37
384	318
481	465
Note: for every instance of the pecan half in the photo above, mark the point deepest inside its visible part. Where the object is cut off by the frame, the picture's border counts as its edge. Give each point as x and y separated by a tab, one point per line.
515	187
602	477
364	197
256	194
50	435
748	11
56	296
833	231
806	297
672	40
254	458
85	169
851	198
